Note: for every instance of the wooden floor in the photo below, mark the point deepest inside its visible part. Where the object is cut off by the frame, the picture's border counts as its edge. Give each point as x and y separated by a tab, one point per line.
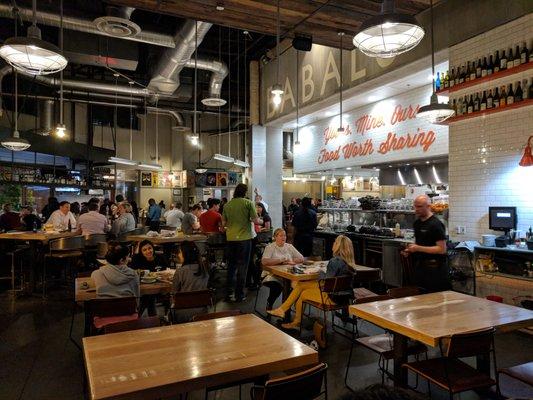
39	362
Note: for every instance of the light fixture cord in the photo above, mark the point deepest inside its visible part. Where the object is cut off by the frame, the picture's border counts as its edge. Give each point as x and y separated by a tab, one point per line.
195	75
16	102
219	106
245	92
229	92
432	47
157	130
340	91
61	72
131	123
144	129
297	96
238	95
34	12
277	43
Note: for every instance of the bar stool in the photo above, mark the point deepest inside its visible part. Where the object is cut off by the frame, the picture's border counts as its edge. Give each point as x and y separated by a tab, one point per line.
67	249
15	254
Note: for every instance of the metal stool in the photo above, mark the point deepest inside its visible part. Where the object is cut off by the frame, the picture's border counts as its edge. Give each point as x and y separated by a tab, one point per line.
13	276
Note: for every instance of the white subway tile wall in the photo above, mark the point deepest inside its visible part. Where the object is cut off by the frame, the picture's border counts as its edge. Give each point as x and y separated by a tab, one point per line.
485	151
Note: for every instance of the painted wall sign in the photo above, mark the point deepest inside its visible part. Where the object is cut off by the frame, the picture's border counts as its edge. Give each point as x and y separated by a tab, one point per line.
381	132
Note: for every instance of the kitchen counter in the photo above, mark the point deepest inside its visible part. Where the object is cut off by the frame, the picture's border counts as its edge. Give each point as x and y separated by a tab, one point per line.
364	236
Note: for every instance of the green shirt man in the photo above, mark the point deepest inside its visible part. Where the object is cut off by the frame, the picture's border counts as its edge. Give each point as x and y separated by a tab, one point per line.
238	215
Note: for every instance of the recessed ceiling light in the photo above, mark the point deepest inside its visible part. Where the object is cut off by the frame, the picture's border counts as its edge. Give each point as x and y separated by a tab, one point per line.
390	166
220	7
349	168
408	164
427	162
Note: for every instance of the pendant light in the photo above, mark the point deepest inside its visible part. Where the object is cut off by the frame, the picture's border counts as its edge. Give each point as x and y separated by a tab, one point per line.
527	158
15	142
156	166
277	88
194	135
297	141
340	129
389	33
61	128
238	162
435	112
32	55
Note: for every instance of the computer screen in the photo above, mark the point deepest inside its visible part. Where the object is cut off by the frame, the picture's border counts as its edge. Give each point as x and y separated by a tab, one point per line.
502	218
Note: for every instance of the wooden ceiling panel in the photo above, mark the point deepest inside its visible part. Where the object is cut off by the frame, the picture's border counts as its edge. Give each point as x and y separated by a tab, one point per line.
322	19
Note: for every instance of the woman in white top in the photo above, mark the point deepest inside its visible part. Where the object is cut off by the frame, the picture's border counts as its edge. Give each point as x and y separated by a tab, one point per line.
125	221
276	253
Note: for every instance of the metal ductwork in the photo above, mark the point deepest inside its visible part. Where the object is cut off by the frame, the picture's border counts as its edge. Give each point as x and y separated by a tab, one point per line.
166	75
117	22
86	25
219	71
178	118
287	147
46	117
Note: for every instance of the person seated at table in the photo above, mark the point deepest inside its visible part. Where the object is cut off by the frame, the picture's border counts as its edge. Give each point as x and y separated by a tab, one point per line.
92	222
29	219
125	221
192	275
342	263
146	258
62	219
264	222
211	220
277	253
190	223
9	220
115	278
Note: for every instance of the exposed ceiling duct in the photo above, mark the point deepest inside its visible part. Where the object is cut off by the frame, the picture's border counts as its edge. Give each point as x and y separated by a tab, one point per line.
117	22
46	118
219	71
85	25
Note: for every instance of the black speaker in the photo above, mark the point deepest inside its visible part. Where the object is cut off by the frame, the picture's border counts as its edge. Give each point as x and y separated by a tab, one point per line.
302	43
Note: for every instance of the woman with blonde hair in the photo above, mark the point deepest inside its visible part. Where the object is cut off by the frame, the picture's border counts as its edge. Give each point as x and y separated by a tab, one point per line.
342	263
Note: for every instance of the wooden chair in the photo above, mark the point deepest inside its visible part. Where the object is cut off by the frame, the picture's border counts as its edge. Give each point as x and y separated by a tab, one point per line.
405	291
215	315
522	373
303	385
64	249
454	375
338	290
102	312
190	300
140	323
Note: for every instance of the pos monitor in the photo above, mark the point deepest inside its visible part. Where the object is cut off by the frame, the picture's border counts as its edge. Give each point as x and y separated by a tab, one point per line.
502	219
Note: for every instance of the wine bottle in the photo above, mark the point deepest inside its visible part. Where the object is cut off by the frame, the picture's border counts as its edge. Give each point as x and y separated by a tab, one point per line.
503	97
446	80
462	75
496	99
467	72
510	95
489	100
452	78
476	103
518	94
490	66
459	110
531	53
484	67
454	106
510	59
478	68
524	56
530	91
497	61
465	106
472	72
483	104
525	90
437	83
517	57
503	61
470	108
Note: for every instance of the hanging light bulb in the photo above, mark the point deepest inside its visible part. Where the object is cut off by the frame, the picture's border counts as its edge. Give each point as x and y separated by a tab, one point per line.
388	34
194	139
277	90
61	131
32	55
276	98
434	112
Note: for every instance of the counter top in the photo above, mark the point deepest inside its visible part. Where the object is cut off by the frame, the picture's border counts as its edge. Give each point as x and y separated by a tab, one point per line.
365	236
524	251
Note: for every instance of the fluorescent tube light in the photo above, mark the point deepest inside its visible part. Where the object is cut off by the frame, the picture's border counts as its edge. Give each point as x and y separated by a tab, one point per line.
240	163
222	157
150	166
124	161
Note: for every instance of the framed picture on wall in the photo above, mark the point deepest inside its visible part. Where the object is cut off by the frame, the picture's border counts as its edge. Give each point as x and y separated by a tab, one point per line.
176	192
222	178
232	178
211	179
146	179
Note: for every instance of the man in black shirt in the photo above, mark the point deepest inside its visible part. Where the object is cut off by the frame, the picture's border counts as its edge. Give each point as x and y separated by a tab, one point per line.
429	250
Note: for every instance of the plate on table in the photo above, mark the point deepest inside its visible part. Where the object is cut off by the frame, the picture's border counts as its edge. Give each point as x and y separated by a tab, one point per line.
148	280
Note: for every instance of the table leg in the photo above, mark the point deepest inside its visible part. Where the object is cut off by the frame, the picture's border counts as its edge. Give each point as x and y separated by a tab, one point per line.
400	357
285	294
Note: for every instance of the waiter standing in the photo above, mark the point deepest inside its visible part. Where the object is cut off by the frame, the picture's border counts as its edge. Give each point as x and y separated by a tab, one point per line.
429	250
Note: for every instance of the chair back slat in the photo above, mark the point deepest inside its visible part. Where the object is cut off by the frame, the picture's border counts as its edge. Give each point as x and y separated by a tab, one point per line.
67	243
370	299
405	291
471	344
193	299
301	386
111	307
141	323
336	284
264	237
215	315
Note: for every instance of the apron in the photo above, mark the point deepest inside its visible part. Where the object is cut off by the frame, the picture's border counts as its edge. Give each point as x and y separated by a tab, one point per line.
431	273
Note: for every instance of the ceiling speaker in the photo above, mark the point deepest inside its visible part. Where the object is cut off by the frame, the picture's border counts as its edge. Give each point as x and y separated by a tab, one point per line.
302	43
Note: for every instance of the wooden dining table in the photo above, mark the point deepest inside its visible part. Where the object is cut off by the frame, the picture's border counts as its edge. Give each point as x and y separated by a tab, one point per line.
179	238
37	242
165	361
429	318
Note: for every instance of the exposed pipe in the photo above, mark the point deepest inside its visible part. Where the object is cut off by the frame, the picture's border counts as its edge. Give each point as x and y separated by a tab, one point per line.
178	118
218	70
166	76
82	101
85	25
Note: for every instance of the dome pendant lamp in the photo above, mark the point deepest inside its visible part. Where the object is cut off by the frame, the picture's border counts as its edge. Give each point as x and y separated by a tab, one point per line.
15	142
31	55
388	34
277	89
434	112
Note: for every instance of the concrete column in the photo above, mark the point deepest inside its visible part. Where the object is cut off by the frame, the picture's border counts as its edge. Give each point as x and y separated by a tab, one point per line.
267	163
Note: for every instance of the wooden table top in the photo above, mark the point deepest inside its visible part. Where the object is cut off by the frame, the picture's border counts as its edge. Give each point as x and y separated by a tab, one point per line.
282	271
172	239
159	362
38	236
81	295
430	317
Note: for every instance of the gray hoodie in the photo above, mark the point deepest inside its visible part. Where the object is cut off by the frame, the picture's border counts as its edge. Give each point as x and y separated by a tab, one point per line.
116	281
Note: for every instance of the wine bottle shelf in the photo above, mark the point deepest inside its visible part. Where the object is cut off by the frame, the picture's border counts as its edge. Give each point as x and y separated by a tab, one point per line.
514	106
497	75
